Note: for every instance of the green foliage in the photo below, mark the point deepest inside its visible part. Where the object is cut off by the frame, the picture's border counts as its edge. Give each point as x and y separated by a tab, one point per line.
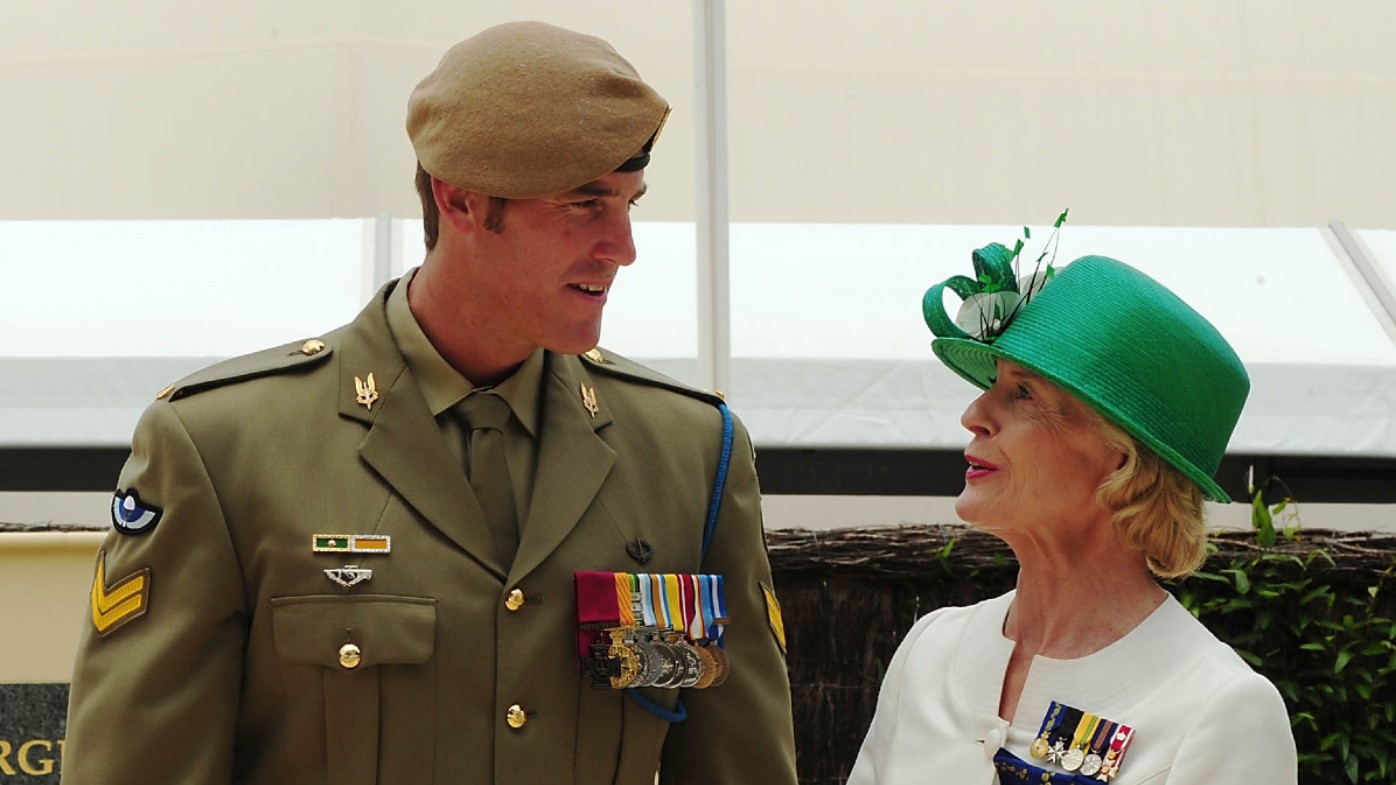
1325	638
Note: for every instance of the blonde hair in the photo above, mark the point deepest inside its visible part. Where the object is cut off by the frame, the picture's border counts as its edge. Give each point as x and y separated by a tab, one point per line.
1158	510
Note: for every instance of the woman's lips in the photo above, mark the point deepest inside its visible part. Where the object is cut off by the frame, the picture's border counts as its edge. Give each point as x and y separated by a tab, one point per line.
978	468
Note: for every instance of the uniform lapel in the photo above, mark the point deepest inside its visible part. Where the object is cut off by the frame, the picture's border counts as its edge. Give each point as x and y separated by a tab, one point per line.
573	462
404	444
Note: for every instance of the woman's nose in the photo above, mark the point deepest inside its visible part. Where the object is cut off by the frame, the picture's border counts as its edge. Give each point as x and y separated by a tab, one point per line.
976	418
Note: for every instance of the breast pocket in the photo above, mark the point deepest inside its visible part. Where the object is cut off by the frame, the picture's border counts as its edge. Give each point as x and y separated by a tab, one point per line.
373	657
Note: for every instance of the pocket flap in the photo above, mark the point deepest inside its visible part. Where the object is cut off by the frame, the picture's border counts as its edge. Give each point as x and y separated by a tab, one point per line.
388	630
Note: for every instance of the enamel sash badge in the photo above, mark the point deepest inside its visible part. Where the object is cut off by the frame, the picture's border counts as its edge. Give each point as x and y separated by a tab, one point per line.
130	516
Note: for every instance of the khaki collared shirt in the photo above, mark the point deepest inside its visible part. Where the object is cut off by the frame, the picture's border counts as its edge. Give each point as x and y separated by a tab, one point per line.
443	387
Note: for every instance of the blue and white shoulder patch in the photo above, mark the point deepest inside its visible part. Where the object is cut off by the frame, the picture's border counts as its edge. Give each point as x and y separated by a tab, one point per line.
130	516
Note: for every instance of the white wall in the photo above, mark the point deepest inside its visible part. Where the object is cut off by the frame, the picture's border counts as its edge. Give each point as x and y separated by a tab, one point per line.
1167	112
1145	112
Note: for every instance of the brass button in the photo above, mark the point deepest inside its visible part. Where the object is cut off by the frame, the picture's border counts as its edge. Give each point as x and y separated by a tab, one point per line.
312	347
516	717
594	355
515	600
165	393
350	656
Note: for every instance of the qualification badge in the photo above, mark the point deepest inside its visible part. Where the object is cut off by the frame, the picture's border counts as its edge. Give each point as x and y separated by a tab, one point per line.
129	515
351	575
651	630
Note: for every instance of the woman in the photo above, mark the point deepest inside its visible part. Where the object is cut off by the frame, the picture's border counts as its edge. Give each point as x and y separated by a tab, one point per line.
1107	406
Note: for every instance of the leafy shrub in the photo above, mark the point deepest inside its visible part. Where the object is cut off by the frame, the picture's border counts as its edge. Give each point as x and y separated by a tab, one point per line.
1322	632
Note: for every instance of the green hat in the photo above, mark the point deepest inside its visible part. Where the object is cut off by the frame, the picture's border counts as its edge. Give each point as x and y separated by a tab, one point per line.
1113	337
526	109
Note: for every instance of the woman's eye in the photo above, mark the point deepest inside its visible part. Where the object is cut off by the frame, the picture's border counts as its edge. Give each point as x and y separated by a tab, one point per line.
1022	392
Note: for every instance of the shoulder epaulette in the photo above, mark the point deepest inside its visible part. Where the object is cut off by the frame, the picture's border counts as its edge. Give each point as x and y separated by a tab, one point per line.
248	366
619	366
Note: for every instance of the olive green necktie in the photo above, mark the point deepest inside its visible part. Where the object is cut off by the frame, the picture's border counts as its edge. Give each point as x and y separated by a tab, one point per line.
485	416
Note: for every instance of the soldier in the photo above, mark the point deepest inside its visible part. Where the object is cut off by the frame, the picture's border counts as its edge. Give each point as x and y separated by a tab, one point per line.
328	566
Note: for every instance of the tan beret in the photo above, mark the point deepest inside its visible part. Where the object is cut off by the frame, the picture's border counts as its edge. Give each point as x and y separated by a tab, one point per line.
526	109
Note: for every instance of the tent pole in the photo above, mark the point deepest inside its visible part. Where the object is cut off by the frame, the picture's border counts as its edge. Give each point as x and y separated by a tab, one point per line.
711	220
382	249
1367	267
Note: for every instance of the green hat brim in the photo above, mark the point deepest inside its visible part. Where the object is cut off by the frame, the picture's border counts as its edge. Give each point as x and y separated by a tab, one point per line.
975	363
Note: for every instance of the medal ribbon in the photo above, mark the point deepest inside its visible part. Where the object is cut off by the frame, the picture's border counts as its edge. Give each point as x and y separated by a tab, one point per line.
1050	720
1118	744
705	609
646	600
1105	730
693	605
1090	733
598	606
1084	730
1070	719
673	602
693	611
719	626
661	603
623	600
637	603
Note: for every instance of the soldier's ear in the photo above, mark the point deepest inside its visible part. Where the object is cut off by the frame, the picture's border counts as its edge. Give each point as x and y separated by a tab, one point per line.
459	207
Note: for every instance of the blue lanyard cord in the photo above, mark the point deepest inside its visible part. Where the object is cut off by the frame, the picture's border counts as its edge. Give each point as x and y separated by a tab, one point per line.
680	713
721	482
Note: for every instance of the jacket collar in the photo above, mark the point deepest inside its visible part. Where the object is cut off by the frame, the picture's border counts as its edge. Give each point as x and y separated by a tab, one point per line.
404	445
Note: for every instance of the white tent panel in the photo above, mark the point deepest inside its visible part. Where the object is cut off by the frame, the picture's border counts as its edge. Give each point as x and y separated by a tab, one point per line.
1279	295
175	288
828	345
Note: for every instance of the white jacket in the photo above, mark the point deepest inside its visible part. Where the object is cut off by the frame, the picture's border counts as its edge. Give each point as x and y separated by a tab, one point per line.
1200	714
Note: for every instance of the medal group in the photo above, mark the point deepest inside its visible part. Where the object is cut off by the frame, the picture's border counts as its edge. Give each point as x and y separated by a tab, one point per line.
651	630
1079	741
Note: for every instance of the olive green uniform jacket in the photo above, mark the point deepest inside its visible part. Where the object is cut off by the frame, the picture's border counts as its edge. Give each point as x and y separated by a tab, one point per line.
220	661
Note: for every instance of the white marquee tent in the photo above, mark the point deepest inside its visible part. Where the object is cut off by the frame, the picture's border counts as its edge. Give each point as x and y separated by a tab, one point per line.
827	346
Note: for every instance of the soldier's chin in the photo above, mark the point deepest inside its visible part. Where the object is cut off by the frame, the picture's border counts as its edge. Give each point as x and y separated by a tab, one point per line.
580	343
